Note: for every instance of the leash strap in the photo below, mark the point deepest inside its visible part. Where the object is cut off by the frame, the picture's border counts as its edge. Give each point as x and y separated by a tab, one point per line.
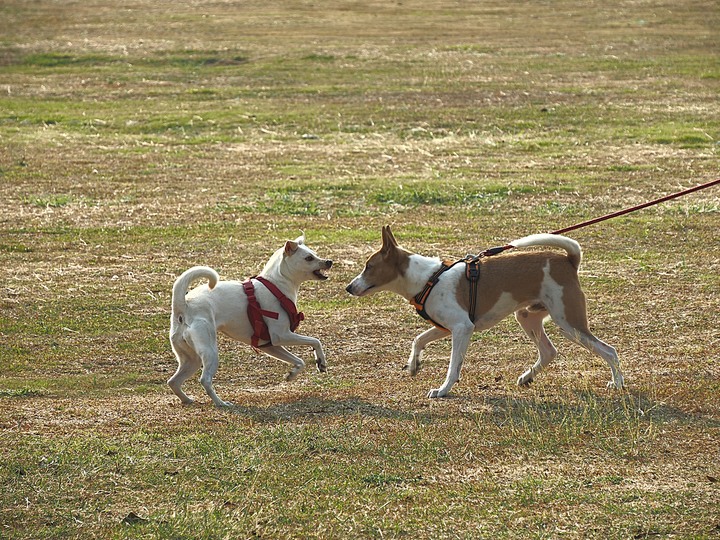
638	207
494	251
472	263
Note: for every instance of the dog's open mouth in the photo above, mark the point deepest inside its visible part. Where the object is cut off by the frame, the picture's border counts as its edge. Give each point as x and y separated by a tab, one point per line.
320	274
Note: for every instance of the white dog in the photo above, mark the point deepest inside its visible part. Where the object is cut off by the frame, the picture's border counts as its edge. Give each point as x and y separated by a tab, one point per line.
533	285
260	312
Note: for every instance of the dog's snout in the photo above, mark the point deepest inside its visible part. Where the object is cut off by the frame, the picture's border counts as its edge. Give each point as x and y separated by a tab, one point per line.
328	263
349	288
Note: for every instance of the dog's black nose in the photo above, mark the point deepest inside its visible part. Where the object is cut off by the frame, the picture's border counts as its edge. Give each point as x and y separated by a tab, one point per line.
328	263
348	288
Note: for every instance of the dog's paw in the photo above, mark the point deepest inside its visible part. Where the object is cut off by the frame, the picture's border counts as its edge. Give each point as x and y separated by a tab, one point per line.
525	380
320	363
616	385
224	404
293	374
413	368
436	393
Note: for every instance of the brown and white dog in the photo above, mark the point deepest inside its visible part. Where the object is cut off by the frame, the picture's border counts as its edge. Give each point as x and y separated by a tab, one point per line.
222	306
533	285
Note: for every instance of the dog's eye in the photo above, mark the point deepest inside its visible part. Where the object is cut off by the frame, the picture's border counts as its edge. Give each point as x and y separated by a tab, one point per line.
309	258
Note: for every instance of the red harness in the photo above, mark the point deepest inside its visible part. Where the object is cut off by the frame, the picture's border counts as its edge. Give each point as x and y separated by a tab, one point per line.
256	313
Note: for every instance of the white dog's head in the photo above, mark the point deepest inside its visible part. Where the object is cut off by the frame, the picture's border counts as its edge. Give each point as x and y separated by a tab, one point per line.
297	262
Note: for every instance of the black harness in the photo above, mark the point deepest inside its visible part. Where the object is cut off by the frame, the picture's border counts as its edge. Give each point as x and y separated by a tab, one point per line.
472	273
418	301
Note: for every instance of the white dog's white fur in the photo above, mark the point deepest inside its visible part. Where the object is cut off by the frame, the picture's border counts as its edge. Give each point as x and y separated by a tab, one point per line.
533	285
221	306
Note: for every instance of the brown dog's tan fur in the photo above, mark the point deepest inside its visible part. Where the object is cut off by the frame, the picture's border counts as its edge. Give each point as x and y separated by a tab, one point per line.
525	272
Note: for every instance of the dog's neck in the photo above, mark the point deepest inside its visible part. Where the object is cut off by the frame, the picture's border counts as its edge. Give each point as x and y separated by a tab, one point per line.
417	274
288	287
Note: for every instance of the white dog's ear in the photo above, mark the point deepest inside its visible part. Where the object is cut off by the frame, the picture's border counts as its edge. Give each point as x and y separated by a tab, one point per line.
300	240
291	247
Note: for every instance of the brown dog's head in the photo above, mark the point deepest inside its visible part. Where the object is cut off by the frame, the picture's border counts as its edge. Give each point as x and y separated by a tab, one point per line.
382	268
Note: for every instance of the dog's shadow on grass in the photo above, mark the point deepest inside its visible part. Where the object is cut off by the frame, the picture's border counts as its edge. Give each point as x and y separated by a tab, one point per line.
662	412
592	406
309	408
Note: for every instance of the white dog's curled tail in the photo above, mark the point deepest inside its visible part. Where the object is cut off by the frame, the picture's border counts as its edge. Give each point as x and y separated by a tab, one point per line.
553	240
183	282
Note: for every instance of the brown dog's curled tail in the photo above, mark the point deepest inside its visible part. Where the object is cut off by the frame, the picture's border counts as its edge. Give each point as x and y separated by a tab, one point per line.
553	240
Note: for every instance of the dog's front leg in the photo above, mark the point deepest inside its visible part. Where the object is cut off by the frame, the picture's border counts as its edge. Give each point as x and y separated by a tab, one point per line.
461	335
291	339
281	353
418	346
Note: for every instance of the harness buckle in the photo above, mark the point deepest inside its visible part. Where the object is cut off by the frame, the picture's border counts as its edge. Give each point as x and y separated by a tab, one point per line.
472	268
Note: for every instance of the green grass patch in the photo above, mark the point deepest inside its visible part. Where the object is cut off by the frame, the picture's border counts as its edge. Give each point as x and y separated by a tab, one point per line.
413	195
57	59
57	200
18	393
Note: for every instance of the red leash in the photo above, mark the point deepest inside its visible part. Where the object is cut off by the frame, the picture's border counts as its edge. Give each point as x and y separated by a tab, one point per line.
496	250
638	207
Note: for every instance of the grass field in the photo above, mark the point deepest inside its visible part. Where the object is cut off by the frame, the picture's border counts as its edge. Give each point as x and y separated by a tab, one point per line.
139	139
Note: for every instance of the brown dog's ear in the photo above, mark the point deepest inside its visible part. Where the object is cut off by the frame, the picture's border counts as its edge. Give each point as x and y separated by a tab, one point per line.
290	247
388	239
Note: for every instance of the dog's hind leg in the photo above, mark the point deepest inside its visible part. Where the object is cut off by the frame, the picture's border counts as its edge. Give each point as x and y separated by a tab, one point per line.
573	324
281	353
532	323
188	363
461	334
600	348
202	337
418	346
